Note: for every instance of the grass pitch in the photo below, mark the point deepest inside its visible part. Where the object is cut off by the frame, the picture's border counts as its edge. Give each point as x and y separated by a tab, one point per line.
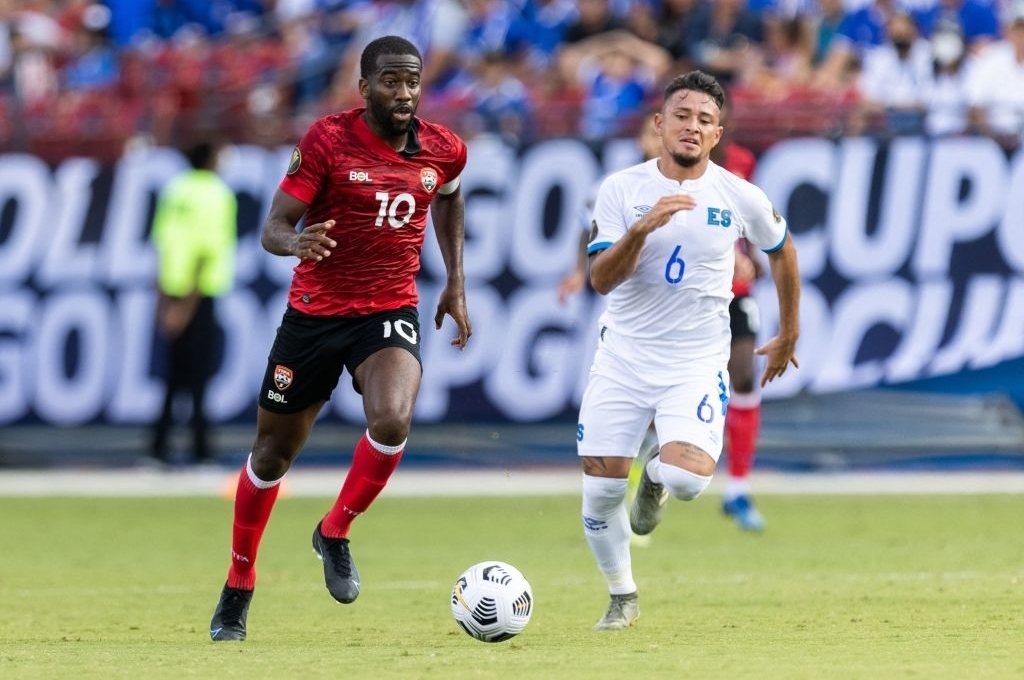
837	587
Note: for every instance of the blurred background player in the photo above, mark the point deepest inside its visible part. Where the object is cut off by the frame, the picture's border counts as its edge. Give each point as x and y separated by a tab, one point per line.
195	235
649	144
743	418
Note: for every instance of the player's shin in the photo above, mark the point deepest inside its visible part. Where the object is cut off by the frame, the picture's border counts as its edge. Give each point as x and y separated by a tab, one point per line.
254	501
606	528
742	425
372	466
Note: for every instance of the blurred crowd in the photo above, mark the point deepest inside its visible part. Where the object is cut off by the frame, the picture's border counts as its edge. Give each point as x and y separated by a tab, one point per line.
101	73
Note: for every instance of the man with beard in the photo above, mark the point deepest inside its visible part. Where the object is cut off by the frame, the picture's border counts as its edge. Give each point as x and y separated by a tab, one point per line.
360	182
662	249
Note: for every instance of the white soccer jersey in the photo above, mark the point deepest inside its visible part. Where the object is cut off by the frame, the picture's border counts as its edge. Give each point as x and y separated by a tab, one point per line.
674	309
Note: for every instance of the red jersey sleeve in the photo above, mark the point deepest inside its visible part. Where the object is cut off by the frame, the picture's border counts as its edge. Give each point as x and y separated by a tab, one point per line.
454	152
307	169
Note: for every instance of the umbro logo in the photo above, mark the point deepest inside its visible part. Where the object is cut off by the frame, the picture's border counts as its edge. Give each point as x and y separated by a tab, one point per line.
641	210
359	176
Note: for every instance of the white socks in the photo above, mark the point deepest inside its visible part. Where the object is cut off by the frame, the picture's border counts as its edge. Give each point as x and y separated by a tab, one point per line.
606	528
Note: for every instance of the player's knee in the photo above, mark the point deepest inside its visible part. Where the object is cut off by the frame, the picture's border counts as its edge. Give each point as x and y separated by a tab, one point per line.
683	484
389	429
742	384
602	496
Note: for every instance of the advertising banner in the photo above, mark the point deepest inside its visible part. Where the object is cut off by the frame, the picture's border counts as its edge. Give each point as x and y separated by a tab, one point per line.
912	253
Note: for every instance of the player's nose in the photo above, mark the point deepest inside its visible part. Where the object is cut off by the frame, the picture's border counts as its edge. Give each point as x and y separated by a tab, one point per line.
403	93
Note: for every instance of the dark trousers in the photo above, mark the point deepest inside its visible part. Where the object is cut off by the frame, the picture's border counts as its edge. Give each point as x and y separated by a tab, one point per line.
189	368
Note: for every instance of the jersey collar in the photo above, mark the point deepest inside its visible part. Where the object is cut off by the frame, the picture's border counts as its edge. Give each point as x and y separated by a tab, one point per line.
412	142
685	185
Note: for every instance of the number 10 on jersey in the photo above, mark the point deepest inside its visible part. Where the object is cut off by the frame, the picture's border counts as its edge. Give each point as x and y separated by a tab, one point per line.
390	209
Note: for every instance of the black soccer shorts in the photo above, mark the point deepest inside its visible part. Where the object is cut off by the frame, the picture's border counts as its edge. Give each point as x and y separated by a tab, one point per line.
744	317
310	352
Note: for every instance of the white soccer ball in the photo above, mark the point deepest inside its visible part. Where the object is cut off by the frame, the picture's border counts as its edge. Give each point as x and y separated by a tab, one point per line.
492	601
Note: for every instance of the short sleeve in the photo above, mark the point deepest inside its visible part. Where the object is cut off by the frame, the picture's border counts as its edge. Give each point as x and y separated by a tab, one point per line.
608	224
308	166
763	225
457	163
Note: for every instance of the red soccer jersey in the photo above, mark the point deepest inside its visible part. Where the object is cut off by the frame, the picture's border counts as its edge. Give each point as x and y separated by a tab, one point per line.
379	199
740	161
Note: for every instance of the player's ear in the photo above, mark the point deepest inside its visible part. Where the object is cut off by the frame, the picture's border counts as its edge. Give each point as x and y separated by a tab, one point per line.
364	88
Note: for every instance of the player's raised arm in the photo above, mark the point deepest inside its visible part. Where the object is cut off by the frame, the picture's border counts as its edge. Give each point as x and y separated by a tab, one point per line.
780	351
611	267
280	238
448	211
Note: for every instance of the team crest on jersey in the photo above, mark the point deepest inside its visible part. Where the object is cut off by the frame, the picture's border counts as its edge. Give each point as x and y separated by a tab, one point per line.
641	210
295	162
283	377
428	178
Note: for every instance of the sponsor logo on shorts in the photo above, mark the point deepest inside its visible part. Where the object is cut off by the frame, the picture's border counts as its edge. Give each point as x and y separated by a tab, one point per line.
283	377
428	178
276	397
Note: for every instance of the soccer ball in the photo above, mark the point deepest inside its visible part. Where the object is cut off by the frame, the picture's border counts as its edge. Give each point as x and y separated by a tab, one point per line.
492	601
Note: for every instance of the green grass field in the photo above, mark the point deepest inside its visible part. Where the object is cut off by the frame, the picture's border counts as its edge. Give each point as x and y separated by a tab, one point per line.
838	587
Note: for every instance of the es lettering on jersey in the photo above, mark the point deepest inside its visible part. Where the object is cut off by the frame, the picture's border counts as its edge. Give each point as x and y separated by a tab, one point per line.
676	303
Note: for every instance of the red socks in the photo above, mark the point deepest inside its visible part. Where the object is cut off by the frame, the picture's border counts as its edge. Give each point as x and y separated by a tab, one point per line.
742	426
372	465
253	502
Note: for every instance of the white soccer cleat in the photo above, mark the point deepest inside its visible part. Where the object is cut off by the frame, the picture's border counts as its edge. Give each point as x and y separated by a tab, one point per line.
623	611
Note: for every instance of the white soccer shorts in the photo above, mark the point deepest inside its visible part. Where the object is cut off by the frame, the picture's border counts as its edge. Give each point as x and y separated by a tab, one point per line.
618	407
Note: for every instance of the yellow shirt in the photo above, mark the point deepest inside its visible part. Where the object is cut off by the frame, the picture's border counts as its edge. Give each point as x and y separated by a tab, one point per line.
195	234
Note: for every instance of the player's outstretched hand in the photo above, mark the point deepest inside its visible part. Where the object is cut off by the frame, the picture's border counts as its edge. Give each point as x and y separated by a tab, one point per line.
780	354
570	285
453	303
313	243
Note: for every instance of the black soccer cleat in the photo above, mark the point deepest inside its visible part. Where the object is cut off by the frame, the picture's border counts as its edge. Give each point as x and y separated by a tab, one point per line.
340	573
228	621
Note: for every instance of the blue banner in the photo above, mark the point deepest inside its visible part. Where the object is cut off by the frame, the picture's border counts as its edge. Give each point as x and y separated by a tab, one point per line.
912	253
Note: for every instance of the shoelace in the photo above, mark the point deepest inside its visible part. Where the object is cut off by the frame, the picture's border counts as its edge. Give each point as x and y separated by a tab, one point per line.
234	604
617	608
339	554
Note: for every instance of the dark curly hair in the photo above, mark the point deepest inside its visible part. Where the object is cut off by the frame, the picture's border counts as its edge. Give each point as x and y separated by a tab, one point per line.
389	44
697	81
